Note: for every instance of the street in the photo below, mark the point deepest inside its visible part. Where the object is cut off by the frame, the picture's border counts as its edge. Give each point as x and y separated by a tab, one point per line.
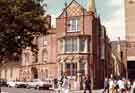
23	90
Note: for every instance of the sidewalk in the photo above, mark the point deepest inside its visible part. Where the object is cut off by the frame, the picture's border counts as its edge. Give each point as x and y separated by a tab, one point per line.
93	91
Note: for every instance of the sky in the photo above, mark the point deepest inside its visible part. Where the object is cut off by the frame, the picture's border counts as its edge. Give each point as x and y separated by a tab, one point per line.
111	13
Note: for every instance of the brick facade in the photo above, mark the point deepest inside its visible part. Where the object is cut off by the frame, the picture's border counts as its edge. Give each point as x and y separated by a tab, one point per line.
78	47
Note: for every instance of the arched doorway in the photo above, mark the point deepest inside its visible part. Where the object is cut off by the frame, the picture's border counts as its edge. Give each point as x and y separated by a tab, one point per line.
131	67
34	72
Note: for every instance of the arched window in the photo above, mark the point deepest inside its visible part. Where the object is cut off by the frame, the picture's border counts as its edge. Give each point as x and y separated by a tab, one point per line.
26	58
44	55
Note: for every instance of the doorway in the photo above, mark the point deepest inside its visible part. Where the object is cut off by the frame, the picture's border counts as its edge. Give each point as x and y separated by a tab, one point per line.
34	73
131	69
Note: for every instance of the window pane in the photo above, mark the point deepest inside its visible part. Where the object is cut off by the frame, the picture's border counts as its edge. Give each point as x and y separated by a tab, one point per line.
74	69
68	69
73	25
78	25
68	45
74	44
46	73
44	56
82	67
61	46
82	44
71	69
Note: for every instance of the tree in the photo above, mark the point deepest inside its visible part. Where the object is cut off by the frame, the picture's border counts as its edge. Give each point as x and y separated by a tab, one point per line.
20	21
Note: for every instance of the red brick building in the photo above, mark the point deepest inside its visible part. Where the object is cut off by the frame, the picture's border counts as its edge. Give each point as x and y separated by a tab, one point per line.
81	41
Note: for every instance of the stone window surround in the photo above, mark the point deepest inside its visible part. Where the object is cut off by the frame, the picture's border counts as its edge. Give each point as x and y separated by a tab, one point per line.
62	48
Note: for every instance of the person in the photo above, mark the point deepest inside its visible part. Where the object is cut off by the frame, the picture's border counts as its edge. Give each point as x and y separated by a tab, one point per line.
65	85
121	84
133	86
55	83
128	86
81	82
106	85
87	84
111	86
61	80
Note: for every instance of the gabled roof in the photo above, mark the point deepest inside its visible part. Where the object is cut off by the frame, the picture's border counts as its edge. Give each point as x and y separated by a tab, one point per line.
73	1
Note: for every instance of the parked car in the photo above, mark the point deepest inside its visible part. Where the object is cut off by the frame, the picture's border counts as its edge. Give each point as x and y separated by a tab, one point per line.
11	83
38	84
3	83
21	84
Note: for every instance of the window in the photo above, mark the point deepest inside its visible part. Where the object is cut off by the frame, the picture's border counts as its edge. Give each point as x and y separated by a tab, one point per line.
5	73
11	72
46	73
26	59
74	44
82	45
71	69
71	45
61	43
44	55
73	25
82	68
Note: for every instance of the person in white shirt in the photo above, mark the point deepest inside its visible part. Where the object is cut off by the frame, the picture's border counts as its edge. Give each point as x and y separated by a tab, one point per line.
121	84
65	85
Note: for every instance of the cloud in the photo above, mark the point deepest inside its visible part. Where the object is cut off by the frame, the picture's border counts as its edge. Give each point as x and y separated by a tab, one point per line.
114	21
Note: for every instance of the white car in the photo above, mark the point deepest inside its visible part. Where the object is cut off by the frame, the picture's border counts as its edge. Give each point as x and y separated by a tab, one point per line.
11	83
38	84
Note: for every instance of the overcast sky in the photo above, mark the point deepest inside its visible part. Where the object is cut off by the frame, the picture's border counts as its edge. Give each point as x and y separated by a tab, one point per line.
110	11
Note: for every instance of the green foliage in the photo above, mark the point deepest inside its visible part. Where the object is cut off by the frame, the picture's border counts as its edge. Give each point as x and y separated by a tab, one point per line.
20	21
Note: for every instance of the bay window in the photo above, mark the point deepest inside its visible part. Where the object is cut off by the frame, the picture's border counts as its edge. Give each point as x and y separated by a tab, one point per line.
73	25
73	45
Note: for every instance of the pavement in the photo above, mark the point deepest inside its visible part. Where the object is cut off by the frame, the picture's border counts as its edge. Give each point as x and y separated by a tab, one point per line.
93	91
23	90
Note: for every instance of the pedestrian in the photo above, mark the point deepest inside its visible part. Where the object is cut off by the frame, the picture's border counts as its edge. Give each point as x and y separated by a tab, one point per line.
81	82
65	84
121	84
106	85
87	84
133	86
128	86
55	83
116	85
111	86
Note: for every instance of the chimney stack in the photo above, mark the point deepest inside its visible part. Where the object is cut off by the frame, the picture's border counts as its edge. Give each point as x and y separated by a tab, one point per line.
91	6
49	21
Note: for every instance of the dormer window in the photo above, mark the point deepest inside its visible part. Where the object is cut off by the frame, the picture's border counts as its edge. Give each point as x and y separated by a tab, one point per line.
73	25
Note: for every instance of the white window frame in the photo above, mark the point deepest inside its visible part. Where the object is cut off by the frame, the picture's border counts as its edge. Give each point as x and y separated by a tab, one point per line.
44	56
71	50
70	25
85	45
